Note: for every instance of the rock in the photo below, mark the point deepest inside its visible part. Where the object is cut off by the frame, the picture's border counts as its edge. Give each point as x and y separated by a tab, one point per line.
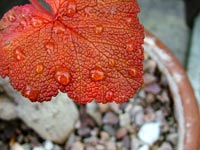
172	138
77	146
38	148
115	107
110	118
90	148
53	120
121	133
124	119
109	129
104	107
111	146
104	136
93	110
48	145
16	146
7	108
92	140
84	132
126	142
144	147
166	146
153	88
135	143
70	140
139	118
100	147
149	78
149	132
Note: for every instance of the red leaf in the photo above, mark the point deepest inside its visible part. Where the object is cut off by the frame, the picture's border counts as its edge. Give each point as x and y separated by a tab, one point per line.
88	49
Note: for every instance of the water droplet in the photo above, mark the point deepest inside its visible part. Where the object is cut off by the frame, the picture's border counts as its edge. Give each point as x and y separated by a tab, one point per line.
36	22
97	74
129	20
98	29
111	62
62	76
18	54
39	68
59	28
109	96
133	71
130	46
49	47
11	18
71	8
30	93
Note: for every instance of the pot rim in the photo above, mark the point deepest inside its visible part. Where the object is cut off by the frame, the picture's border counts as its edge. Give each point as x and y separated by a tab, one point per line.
186	107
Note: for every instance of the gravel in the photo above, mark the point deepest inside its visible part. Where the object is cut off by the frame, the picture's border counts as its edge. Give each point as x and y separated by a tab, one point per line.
145	122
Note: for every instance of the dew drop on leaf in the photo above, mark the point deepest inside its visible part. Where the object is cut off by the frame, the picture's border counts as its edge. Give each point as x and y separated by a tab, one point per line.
132	71
62	76
18	54
49	47
71	8
11	18
97	74
39	68
30	93
109	96
98	29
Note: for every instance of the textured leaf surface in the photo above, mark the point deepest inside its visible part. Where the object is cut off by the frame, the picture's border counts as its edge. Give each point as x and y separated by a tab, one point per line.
90	49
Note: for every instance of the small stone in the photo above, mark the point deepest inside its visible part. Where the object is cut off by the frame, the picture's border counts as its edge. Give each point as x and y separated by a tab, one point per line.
142	94
149	78
84	132
139	118
153	88
77	146
90	147
70	140
100	147
48	145
104	136
144	147
150	98
93	110
111	146
103	107
38	148
115	107
172	138
26	146
126	142
135	143
93	141
124	119
166	146
109	129
149	132
121	133
17	146
110	118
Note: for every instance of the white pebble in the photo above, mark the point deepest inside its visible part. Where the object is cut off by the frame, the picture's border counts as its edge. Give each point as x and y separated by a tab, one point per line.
48	145
38	148
16	146
149	132
144	147
124	119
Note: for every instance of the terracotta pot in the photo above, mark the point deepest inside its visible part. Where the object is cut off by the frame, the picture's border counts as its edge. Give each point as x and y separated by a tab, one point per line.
186	108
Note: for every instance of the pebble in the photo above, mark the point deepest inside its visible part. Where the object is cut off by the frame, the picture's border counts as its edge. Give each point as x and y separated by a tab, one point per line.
115	107
111	146
110	118
153	88
104	136
149	132
172	138
93	110
121	133
144	147
77	146
104	107
124	119
84	132
139	118
100	147
109	129
48	145
16	146
149	78
38	148
135	142
166	146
